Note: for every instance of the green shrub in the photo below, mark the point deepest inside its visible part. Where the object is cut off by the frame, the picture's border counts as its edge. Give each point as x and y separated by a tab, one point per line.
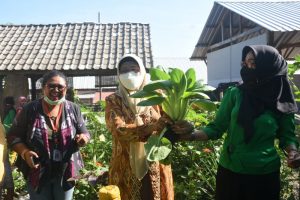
96	156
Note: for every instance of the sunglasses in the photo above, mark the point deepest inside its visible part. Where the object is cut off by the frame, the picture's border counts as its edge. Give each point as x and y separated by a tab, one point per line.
52	86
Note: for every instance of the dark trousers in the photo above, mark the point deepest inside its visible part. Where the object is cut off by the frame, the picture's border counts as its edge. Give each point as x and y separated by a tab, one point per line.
234	186
146	190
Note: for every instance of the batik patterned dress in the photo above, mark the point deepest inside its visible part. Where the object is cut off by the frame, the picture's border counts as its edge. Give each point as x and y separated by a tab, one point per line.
158	182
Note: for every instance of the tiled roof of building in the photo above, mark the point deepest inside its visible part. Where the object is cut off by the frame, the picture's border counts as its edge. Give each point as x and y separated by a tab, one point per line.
72	46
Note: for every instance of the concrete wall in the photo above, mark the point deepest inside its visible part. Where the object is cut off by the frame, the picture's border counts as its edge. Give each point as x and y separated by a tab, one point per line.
224	65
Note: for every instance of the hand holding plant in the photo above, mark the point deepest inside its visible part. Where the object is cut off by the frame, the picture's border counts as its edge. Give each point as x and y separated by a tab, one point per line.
182	127
178	91
165	120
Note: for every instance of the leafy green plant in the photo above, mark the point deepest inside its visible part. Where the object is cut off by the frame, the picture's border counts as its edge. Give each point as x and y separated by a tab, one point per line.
178	89
194	164
19	183
96	155
174	91
292	68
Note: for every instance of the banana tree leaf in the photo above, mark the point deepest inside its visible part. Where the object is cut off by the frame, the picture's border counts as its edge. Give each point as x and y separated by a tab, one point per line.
158	74
200	95
204	104
160	84
157	148
152	101
143	94
191	77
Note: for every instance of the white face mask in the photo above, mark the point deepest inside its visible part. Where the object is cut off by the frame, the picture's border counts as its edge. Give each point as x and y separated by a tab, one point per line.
57	102
131	80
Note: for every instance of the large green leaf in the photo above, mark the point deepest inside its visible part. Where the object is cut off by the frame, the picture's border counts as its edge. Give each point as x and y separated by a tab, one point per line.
204	104
191	77
168	109
178	79
199	95
144	94
176	75
198	85
152	101
158	74
160	84
157	148
183	109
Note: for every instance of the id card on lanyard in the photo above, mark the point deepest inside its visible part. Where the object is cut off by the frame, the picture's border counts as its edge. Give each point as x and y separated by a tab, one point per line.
56	153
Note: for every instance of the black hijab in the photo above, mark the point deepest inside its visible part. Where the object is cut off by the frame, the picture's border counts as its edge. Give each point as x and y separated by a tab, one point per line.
264	88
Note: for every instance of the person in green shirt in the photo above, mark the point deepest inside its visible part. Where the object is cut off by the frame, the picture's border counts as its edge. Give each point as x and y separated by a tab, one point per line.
253	114
9	112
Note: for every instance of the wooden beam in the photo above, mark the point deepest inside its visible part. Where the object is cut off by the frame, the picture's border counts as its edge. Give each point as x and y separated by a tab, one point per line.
285	37
218	27
1	92
235	38
270	38
287	45
33	80
288	52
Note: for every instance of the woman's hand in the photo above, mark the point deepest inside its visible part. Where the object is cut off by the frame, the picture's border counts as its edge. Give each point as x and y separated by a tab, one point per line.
164	120
178	129
146	131
81	139
182	127
197	135
30	157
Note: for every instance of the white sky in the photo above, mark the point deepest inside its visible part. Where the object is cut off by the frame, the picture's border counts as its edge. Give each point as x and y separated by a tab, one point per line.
175	25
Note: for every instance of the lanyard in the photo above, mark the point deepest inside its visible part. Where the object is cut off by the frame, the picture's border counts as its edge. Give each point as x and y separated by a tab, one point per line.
56	153
54	125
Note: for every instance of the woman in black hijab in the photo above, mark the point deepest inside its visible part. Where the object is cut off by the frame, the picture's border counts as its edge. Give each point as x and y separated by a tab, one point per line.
265	86
254	114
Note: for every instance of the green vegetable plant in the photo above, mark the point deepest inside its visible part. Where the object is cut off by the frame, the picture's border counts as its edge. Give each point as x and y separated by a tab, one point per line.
174	90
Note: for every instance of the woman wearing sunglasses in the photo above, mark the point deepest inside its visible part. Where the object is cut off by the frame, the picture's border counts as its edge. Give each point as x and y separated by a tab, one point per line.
46	135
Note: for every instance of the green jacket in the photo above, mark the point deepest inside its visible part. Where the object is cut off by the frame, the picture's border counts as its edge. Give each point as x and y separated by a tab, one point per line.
9	119
259	156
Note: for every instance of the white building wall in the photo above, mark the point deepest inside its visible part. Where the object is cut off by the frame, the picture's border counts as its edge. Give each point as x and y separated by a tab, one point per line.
224	65
84	82
184	64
